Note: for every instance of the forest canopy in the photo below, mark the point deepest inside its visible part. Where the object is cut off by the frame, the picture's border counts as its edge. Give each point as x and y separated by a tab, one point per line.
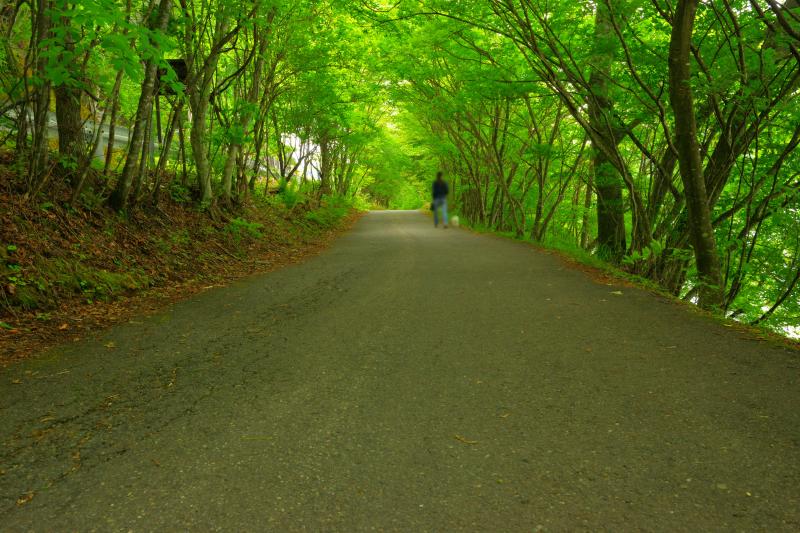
657	135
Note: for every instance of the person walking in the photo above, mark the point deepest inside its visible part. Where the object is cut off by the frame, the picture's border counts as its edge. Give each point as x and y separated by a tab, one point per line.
440	191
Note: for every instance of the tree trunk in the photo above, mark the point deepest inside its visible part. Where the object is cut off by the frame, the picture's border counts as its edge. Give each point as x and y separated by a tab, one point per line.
41	100
160	169
325	165
608	182
144	162
86	163
197	139
199	100
227	173
261	41
71	145
587	205
182	141
119	198
680	93
112	123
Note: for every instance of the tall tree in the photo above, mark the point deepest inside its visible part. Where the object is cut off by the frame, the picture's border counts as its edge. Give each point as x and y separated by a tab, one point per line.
703	241
611	233
133	163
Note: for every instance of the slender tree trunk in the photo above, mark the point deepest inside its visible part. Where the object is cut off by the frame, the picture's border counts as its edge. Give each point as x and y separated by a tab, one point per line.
11	65
325	166
160	169
227	172
242	191
41	99
251	184
197	139
144	161
199	100
587	205
112	123
119	198
85	166
537	217
700	229
252	97
182	141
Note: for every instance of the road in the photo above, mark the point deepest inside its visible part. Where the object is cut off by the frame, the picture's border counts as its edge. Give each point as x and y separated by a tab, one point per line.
407	379
121	133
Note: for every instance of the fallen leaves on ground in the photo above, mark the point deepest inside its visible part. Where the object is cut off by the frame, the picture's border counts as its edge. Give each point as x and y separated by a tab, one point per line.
25	498
459	438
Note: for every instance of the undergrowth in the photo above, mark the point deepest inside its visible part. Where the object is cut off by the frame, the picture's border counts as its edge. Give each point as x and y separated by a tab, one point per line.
572	252
568	249
52	253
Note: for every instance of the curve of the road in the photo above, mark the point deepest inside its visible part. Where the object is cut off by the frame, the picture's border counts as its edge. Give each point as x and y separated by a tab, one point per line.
407	379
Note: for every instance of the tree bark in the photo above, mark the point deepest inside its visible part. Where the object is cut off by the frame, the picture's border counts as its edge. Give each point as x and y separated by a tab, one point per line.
699	214
611	236
71	145
112	123
119	198
587	205
172	125
144	160
227	173
261	41
41	100
325	165
199	90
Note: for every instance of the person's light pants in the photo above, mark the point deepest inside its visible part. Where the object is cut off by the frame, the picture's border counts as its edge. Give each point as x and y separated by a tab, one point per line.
439	203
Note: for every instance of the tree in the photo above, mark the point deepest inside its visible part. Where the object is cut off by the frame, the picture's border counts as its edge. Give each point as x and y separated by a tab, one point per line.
703	241
133	164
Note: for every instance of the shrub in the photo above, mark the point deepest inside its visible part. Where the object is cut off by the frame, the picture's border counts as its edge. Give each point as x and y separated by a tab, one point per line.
239	227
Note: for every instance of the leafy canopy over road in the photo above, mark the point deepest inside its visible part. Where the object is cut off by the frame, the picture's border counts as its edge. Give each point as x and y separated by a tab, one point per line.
659	135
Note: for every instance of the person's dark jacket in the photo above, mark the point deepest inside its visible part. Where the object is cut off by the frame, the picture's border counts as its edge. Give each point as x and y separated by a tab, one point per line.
440	189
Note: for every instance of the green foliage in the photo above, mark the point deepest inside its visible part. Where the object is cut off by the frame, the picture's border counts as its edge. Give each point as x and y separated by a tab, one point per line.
59	277
330	212
290	197
102	284
367	104
240	228
92	199
179	193
654	249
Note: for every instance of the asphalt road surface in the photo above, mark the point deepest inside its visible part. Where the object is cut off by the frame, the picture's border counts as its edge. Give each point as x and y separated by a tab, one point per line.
407	379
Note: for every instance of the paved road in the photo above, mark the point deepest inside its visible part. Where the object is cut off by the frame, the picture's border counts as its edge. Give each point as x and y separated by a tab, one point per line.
408	379
120	133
